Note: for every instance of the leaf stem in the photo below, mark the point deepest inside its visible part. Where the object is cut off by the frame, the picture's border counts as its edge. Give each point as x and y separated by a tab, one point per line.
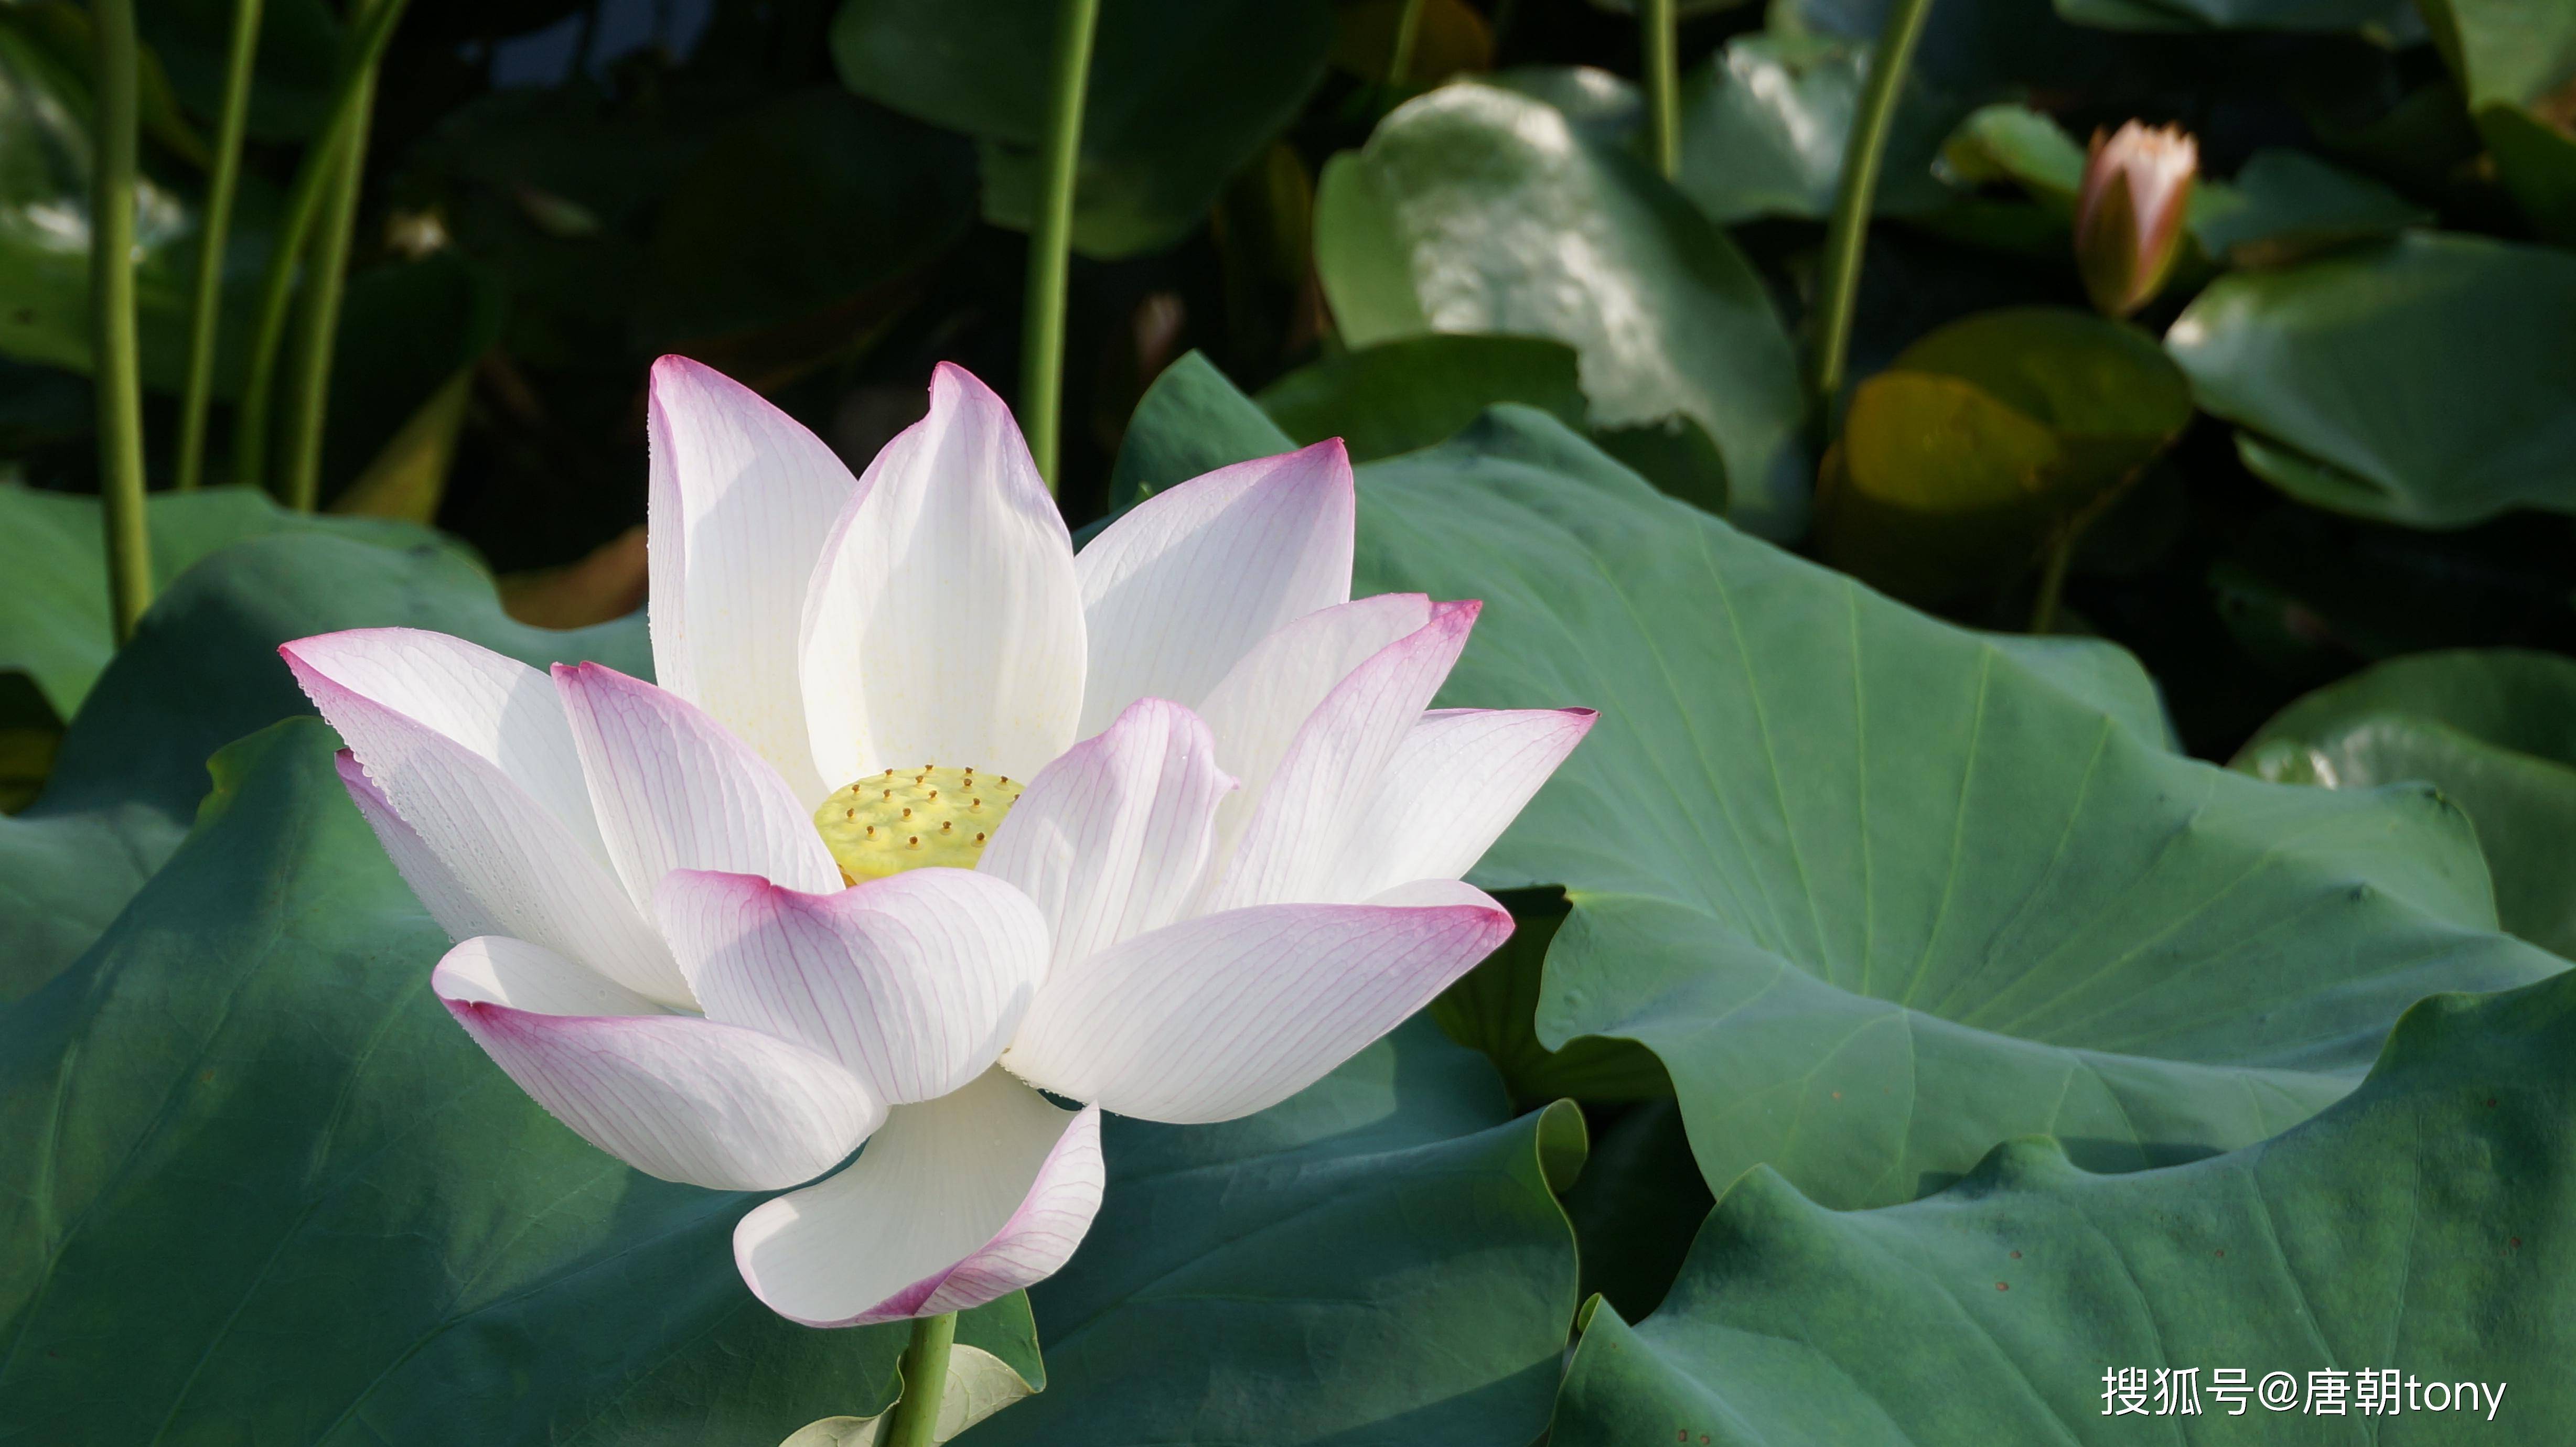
118	355
206	314
1408	33
325	278
1663	76
351	92
1839	285
915	1419
1051	243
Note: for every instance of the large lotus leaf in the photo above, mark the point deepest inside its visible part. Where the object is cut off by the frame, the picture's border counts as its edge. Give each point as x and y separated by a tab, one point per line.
2414	1227
263	1189
2424	381
1764	125
1480	209
202	671
1378	1260
1880	891
2516	62
1191	420
54	614
2493	728
1182	93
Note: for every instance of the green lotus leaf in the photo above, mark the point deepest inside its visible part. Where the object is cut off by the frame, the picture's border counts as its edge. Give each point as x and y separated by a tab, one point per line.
2410	1228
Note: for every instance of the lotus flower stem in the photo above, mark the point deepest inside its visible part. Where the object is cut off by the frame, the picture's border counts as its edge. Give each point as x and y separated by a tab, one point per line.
915	1421
206	313
1399	55
1663	84
119	361
1051	242
1839	286
349	98
325	278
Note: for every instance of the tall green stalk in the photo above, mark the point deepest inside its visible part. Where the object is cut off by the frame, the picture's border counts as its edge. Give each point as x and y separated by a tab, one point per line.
1408	35
1051	243
352	90
915	1420
318	316
1839	285
206	314
118	355
1663	73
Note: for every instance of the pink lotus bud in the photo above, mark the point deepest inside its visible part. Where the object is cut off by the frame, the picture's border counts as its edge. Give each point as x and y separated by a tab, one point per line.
2128	217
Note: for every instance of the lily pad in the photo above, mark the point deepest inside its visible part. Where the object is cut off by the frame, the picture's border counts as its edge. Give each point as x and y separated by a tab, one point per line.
1182	93
2284	205
2423	381
1191	420
243	1119
1479	209
2493	728
2515	61
1378	1260
1879	891
2410	1229
1959	462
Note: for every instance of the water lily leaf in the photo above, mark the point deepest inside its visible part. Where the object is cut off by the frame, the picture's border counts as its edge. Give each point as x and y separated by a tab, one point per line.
1879	891
242	1118
2409	1228
202	671
1182	94
2493	728
2516	62
2428	376
1957	462
2286	204
1480	209
1379	1260
1764	125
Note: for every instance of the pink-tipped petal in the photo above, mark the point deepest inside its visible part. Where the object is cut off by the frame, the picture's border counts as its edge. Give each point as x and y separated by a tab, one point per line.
674	790
674	1096
1314	804
956	1202
913	982
433	883
1227	1014
1112	839
472	752
1256	710
742	496
1455	784
1178	590
944	625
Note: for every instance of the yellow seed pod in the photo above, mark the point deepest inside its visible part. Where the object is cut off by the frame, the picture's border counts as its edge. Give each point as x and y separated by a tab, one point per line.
912	818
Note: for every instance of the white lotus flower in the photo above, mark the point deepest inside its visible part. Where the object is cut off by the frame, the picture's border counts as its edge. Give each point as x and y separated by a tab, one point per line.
1245	871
